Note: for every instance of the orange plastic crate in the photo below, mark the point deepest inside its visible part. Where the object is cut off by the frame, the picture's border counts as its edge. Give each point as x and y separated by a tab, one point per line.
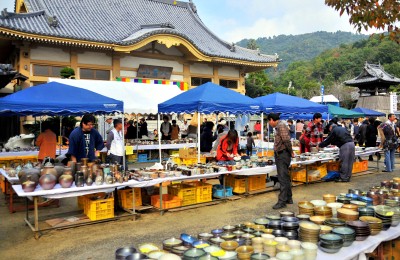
99	209
125	198
333	166
2	184
257	182
168	201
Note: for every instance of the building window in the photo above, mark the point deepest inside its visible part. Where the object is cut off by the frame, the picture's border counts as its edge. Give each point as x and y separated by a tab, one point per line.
94	74
199	81
228	83
46	70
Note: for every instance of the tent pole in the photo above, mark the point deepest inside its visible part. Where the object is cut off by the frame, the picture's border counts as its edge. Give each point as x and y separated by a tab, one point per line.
60	134
159	137
262	133
137	126
40	124
123	140
198	137
268	138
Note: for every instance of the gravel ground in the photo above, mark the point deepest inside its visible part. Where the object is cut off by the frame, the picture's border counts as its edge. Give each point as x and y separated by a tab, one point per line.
101	240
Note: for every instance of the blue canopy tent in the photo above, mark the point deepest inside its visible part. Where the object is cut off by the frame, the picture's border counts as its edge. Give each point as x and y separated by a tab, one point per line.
210	98
56	99
368	112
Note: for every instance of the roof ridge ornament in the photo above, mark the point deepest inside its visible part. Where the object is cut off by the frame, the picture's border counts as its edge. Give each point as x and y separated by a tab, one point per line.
4	13
193	6
53	21
233	47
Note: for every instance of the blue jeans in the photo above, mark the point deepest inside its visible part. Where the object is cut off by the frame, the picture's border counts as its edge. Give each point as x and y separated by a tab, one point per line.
389	160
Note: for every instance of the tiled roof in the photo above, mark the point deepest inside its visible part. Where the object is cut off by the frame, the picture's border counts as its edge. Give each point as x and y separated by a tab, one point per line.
373	73
124	22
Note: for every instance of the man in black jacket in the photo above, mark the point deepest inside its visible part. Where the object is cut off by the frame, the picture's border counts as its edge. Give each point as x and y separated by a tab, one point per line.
341	137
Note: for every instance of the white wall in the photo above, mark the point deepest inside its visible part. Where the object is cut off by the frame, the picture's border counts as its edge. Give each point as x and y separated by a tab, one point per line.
95	58
228	72
128	73
199	68
50	54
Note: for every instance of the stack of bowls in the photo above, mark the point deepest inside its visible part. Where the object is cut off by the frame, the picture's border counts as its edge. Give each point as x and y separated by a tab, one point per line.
278	232
362	229
259	256
392	202
385	213
303	217
229	245
334	206
229	228
396	216
273	217
330	243
343	199
298	254
261	221
310	250
290	219
200	244
367	200
325	229
282	248
156	254
374	197
124	252
257	244
359	204
352	196
348	235
347	214
217	232
281	240
275	224
205	236
179	250
267	237
317	219
270	247
258	227
145	248
318	203
290	226
284	256
248	230
248	237
306	208
229	255
335	222
293	244
286	214
329	198
238	233
193	253
323	211
228	236
258	233
350	206
244	252
375	224
309	232
168	244
215	250
367	211
216	240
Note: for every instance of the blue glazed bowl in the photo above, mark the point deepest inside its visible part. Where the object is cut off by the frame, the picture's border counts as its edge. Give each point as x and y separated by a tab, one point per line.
188	239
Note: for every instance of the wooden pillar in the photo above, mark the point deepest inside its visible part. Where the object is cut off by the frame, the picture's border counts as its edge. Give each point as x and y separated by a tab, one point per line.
116	66
241	83
215	75
186	73
74	63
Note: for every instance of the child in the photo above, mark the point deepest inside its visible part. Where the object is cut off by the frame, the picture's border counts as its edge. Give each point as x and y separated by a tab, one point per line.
250	144
243	154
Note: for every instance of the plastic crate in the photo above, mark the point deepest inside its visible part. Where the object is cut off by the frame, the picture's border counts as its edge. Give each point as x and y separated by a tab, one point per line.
81	202
218	191
257	182
364	166
99	209
191	161
238	184
317	170
2	184
131	157
125	198
333	166
168	201
204	191
142	157
187	193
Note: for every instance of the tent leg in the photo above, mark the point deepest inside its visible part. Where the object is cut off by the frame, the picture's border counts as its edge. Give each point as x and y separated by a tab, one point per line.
60	134
159	139
123	138
198	137
262	133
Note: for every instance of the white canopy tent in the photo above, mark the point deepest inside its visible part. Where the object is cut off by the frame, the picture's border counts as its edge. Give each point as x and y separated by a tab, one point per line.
327	99
138	98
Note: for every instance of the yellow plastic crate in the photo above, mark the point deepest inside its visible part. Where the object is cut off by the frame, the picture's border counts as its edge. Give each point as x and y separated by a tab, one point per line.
360	166
185	192
238	184
191	161
203	191
99	209
168	201
299	174
315	170
333	166
125	198
257	182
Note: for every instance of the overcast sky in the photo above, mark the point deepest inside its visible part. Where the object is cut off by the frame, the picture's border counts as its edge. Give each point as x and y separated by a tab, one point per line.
233	20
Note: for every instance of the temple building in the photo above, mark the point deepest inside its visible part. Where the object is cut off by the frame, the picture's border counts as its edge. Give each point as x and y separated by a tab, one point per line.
161	40
373	84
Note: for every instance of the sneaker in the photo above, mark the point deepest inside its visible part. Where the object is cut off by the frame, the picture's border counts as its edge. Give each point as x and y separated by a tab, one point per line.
342	180
289	201
279	206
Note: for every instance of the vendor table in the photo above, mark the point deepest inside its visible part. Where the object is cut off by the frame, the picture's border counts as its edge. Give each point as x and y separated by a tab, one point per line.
7	157
163	146
358	249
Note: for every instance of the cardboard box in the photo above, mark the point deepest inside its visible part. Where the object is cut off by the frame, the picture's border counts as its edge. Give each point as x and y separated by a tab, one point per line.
187	152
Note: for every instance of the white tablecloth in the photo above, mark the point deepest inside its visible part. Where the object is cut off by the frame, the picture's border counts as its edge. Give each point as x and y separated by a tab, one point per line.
12	180
163	146
26	153
358	249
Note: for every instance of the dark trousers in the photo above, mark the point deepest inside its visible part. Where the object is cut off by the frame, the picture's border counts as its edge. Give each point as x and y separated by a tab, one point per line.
346	159
249	151
282	161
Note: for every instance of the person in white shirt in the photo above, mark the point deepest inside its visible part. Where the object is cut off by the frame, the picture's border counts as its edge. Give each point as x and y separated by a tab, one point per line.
184	129
115	143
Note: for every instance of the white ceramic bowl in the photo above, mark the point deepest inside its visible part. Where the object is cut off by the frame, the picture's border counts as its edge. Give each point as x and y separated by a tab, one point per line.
318	203
281	240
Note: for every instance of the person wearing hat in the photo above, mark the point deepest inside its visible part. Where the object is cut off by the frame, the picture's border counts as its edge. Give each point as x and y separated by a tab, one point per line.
115	143
108	125
341	137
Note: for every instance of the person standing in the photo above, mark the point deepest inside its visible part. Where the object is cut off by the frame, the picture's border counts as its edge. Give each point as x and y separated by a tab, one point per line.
292	129
108	125
388	141
341	137
371	135
85	140
314	132
207	138
362	133
166	129
125	125
115	143
47	142
299	128
283	154
143	131
174	131
257	129
250	144
131	131
184	130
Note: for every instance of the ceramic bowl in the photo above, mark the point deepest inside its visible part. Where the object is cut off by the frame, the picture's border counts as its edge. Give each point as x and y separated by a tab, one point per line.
229	255
244	252
194	253
318	203
122	253
147	247
229	245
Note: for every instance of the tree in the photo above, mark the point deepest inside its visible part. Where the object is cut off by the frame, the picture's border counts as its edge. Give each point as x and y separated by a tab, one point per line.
365	14
67	73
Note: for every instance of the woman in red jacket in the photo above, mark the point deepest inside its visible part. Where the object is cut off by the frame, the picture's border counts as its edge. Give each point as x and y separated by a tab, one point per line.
228	146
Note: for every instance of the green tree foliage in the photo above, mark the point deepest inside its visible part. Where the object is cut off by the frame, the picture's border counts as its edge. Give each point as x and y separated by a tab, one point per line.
332	67
67	73
383	15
